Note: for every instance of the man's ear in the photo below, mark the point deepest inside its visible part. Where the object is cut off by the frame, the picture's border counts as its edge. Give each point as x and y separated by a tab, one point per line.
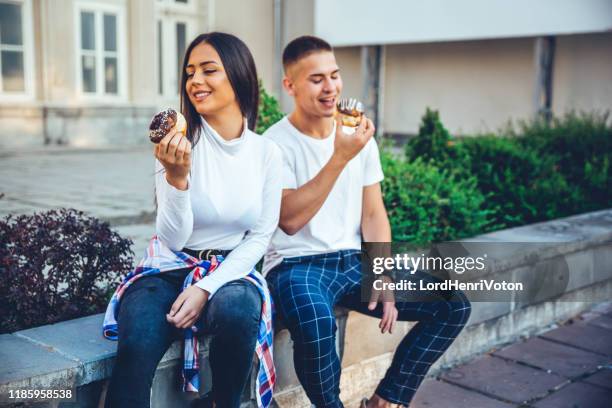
288	85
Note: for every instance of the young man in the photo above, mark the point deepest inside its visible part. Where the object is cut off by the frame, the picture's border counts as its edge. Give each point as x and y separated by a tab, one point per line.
331	202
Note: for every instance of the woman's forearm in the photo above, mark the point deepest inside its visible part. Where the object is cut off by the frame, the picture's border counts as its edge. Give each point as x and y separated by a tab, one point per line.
174	219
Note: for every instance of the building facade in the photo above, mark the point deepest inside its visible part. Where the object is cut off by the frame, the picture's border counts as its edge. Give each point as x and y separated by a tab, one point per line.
90	73
479	62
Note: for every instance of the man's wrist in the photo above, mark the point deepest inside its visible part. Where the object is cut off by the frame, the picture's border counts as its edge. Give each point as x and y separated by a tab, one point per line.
338	160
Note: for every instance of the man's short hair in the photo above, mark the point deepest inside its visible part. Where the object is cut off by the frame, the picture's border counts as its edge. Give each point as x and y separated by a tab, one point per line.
302	47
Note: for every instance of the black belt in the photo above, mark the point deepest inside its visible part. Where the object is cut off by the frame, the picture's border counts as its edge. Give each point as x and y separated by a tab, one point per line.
206	253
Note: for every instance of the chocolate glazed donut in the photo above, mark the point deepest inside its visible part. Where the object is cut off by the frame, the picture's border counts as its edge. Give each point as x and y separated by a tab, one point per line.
165	121
350	112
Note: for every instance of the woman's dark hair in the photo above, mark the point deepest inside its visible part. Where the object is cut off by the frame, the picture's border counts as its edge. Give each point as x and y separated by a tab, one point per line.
241	72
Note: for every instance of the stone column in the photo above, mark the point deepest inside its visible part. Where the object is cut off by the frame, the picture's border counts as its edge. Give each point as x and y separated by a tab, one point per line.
544	63
372	71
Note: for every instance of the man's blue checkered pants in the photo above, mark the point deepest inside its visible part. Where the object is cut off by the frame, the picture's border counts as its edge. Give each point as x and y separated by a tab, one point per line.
306	289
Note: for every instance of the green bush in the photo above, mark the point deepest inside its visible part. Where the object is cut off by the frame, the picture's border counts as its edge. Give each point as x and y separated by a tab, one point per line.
433	142
428	204
527	174
269	111
520	186
581	146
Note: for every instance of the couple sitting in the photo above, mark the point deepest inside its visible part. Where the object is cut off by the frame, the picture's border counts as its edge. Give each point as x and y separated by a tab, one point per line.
305	195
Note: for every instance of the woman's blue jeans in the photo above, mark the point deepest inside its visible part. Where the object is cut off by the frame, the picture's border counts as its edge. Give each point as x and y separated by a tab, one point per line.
231	317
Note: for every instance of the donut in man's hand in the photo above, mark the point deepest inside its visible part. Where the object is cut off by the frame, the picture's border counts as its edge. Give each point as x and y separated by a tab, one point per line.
350	112
164	122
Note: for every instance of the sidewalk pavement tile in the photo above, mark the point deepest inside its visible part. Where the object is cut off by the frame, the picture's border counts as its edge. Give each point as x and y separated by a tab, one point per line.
603	308
104	184
560	359
604	322
506	380
433	394
603	378
584	336
577	395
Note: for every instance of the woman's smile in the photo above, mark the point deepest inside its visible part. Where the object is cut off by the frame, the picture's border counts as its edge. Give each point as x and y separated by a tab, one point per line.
200	95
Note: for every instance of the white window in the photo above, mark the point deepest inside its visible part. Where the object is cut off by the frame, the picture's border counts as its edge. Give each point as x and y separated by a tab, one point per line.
173	37
176	28
101	71
176	3
16	59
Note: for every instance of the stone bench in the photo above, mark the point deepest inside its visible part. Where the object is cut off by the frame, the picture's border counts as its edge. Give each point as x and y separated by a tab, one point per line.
73	354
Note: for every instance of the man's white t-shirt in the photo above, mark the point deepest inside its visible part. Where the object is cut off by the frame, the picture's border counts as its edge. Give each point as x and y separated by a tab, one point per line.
337	224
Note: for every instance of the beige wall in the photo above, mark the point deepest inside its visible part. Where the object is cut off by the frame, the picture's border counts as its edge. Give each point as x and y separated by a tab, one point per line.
479	85
253	22
583	73
349	61
38	28
476	85
298	19
58	50
142	51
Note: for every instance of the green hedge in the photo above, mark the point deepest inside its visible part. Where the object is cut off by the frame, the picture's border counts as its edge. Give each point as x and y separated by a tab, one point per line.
428	204
521	186
581	147
530	173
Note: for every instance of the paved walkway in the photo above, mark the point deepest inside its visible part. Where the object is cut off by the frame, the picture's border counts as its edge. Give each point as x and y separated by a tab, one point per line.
115	185
568	367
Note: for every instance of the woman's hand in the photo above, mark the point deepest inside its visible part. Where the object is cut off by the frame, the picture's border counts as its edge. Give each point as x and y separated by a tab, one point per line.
187	307
174	153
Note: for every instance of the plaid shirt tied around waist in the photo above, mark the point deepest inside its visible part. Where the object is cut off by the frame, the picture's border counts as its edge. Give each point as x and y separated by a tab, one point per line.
159	258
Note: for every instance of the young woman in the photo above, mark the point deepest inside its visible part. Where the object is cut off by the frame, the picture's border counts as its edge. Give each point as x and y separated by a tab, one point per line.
218	192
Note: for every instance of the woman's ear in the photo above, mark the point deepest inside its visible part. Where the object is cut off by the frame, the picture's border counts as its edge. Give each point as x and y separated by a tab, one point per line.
288	85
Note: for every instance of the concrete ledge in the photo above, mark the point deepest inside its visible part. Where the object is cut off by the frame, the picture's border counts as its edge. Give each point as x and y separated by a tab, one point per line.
74	354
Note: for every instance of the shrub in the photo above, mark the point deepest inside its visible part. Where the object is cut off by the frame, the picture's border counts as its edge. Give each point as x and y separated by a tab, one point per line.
269	111
533	173
433	142
520	185
428	204
581	146
56	266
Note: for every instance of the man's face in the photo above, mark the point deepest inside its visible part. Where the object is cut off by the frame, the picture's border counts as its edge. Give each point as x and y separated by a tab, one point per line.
315	84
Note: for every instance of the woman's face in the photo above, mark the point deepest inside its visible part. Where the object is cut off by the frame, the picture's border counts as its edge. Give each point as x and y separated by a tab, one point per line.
208	86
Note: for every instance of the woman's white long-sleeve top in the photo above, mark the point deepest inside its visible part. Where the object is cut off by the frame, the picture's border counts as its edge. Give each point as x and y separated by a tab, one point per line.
232	202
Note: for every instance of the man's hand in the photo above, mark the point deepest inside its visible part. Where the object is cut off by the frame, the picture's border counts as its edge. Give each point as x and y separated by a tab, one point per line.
348	146
187	307
390	312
